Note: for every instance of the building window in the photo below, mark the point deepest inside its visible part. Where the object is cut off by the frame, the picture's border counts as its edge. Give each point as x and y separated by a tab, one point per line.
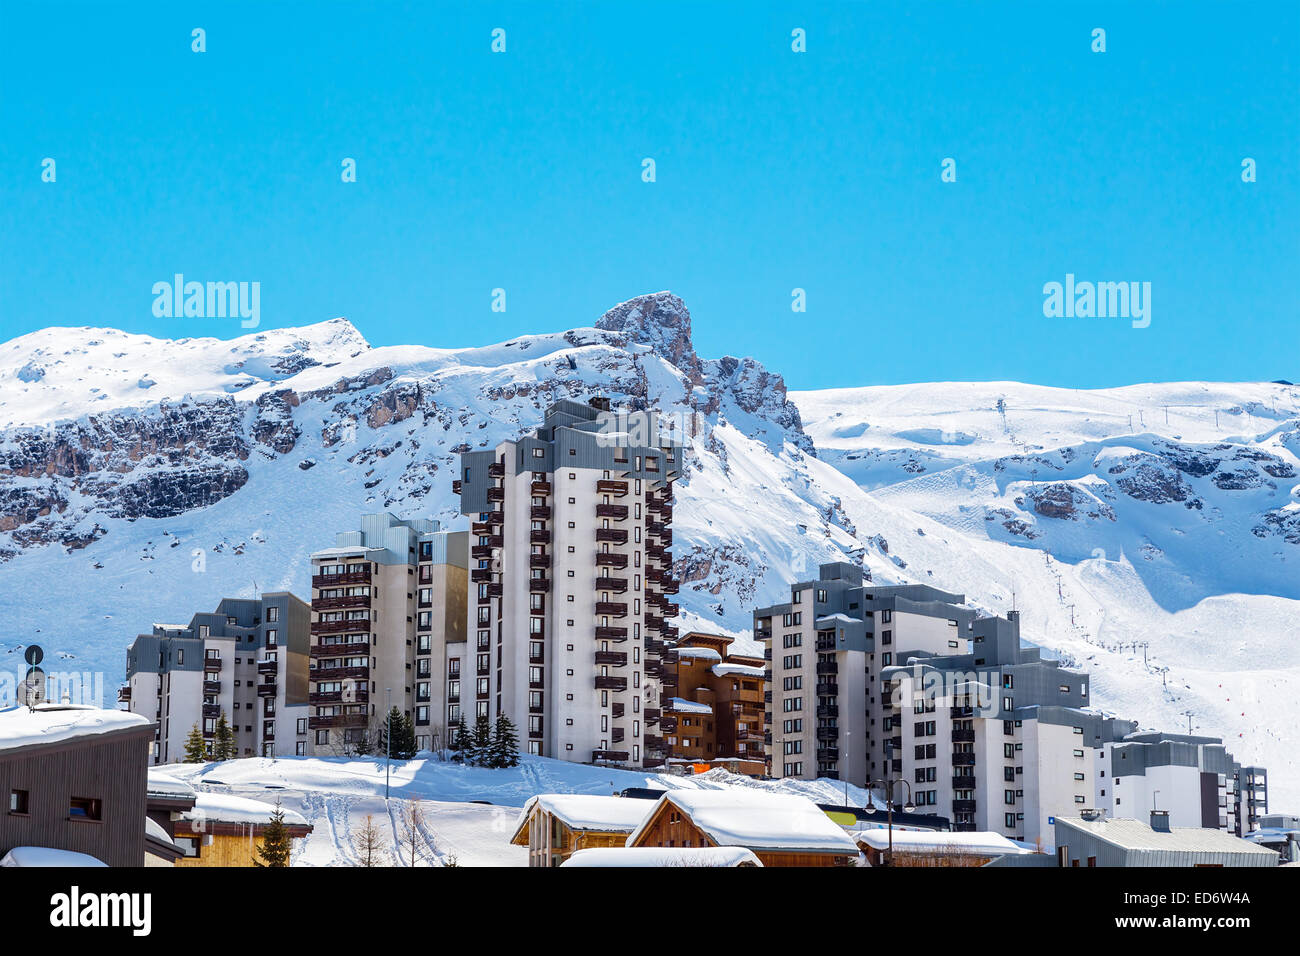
86	808
18	802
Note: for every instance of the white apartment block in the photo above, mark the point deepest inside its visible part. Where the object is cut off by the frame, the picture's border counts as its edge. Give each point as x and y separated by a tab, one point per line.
247	660
569	618
388	622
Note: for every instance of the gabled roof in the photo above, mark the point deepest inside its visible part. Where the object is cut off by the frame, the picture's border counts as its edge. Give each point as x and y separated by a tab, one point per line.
22	726
757	820
661	856
584	811
1137	835
937	841
224	808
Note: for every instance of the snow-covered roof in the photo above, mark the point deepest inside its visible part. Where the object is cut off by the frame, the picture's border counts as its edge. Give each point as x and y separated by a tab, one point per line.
757	820
663	856
152	828
358	549
740	670
683	706
830	620
1138	835
164	785
47	856
224	808
584	811
932	841
51	723
699	653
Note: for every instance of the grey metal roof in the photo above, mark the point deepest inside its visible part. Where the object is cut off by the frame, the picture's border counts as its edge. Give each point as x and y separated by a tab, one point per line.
1137	835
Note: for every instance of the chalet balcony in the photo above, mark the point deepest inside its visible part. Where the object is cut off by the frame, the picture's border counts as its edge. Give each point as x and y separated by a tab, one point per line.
268	667
211	688
479	528
828	667
618	585
612	658
347	577
496	494
338	673
481	575
654	647
211	710
652	715
609	682
340	603
655	742
611	608
746	734
124	694
496	470
540	512
612	535
540	488
539	585
669	679
611	634
211	664
654	621
828	733
828	754
653	669
828	710
616	709
828	690
350	649
615	756
963	760
616	735
616	512
539	536
539	560
359	696
608	560
658	552
482	552
963	736
456	486
963	806
655	528
266	689
963	782
337	721
667	724
357	625
669	632
606	486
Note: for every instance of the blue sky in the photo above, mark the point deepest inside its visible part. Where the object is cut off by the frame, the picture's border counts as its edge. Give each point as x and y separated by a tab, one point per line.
775	170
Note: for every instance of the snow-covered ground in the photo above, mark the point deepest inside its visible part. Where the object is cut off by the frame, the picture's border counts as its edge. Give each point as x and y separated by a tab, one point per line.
336	794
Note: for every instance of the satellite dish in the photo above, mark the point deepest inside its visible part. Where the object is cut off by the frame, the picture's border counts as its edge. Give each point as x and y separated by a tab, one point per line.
33	655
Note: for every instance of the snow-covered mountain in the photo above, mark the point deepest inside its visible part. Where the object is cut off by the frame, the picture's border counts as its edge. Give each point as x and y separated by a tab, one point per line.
142	479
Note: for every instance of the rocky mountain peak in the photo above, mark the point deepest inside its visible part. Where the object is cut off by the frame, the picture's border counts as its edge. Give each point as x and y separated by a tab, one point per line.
661	321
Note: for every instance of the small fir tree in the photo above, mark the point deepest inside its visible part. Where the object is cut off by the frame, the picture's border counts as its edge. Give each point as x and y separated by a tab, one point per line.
274	850
505	743
224	746
481	747
195	750
463	742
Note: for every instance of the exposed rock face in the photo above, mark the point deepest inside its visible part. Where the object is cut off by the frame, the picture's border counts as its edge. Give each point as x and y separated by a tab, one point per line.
661	321
1068	502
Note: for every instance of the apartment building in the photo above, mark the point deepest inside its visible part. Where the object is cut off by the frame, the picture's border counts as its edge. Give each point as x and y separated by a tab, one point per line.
570	615
718	716
387	630
247	660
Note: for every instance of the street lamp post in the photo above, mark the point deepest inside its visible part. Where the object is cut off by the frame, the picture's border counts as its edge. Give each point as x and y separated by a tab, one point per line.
888	787
388	739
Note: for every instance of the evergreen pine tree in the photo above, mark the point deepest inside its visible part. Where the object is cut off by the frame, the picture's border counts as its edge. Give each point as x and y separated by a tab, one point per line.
505	743
274	850
389	738
481	747
195	752
364	745
463	744
404	746
224	747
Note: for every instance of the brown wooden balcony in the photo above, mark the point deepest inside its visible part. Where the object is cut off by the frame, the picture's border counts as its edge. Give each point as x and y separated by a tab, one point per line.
655	742
337	721
496	470
483	552
610	560
653	646
653	668
963	760
652	715
668	724
211	664
540	488
606	486
617	756
609	682
655	528
347	626
827	667
338	673
658	552
350	649
669	679
612	608
347	577
495	589
616	709
616	735
963	736
611	584
617	634
456	485
539	560
612	535
480	528
481	575
612	658
617	512
539	585
124	694
211	688
539	536
340	603
266	689
211	710
653	621
496	494
669	632
540	512
268	667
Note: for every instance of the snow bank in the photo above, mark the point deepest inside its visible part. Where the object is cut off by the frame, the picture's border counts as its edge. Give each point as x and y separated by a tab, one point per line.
663	856
757	820
51	723
47	856
224	808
